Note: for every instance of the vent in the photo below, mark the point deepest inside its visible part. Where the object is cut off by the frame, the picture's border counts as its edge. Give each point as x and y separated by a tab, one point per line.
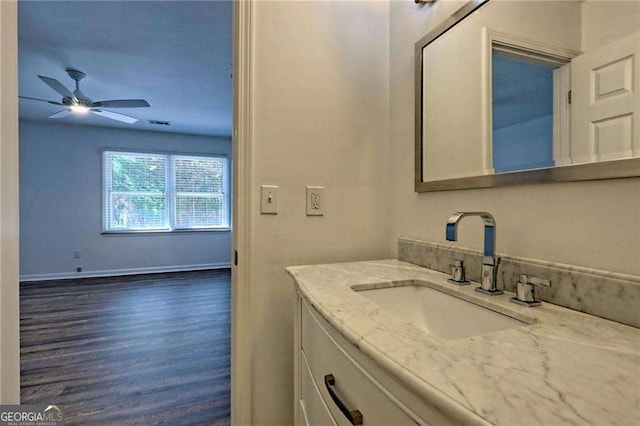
159	122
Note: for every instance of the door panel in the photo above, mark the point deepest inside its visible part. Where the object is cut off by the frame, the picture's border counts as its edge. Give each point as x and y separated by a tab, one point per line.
606	102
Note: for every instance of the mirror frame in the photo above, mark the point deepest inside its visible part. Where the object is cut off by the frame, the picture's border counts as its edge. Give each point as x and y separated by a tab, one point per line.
612	169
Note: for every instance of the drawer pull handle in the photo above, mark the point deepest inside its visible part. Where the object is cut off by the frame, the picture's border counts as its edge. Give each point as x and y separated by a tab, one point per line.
354	416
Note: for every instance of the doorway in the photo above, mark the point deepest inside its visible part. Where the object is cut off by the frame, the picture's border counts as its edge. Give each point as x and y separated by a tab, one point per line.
523	111
113	253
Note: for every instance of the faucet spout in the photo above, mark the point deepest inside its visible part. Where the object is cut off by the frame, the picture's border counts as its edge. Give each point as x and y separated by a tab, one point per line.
489	261
489	230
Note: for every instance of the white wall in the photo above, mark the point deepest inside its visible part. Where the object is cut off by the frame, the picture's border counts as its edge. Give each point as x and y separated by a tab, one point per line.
61	205
593	224
597	16
9	303
320	118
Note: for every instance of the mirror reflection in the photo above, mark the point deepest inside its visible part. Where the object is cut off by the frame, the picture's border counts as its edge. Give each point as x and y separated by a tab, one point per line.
521	85
522	110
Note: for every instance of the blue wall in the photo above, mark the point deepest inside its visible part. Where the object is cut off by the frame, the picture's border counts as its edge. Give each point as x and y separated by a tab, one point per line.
61	205
523	146
522	114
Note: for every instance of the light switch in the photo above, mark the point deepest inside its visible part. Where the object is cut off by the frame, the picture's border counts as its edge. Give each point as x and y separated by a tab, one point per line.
269	199
315	201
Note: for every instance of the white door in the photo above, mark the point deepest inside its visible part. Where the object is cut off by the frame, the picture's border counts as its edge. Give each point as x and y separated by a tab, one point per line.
606	102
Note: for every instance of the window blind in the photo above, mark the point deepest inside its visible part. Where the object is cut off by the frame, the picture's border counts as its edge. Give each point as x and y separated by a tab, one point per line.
200	187
162	192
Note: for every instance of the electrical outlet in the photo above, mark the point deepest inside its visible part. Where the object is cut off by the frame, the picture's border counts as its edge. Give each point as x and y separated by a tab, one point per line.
79	269
269	199
315	201
76	254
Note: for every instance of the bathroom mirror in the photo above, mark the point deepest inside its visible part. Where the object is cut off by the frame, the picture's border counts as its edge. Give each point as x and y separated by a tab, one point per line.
515	92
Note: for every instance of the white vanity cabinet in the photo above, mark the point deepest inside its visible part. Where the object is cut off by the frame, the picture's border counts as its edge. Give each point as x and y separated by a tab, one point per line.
394	372
325	361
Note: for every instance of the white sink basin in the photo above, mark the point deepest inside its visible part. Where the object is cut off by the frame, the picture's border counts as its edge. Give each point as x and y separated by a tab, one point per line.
442	313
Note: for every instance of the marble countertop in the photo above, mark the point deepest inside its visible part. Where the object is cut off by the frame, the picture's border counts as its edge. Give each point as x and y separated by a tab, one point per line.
566	368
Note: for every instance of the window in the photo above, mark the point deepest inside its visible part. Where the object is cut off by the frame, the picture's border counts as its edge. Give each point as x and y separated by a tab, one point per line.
163	192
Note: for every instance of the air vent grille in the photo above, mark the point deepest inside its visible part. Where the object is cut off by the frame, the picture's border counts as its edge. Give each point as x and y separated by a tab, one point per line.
159	122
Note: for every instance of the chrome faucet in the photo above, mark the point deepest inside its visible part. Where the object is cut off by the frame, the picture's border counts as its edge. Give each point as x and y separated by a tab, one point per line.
490	262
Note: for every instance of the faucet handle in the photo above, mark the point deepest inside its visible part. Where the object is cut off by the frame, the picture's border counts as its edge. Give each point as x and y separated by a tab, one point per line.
525	290
457	272
530	279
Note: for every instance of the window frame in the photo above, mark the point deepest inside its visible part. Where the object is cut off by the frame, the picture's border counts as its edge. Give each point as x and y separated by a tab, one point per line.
170	192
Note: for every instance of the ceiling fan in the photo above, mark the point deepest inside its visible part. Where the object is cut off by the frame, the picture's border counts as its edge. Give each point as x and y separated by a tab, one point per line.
78	102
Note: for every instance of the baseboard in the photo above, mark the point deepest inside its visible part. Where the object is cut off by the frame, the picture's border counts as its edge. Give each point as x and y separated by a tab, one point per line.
120	272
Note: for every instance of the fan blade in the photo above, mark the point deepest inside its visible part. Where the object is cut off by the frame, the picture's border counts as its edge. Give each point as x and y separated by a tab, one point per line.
61	114
58	87
122	103
41	100
115	116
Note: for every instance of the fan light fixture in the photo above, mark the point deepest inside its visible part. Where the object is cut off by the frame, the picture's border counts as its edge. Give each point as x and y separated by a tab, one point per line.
79	103
79	109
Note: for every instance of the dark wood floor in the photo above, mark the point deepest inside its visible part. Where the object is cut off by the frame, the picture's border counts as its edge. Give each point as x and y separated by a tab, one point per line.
137	350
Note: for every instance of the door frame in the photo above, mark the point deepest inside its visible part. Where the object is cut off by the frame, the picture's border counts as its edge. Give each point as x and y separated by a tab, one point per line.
491	37
9	248
242	254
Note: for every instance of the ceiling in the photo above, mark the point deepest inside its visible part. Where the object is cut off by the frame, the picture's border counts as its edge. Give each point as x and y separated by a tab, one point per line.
174	54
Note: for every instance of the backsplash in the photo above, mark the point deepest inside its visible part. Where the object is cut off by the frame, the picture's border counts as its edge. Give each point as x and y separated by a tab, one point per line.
604	294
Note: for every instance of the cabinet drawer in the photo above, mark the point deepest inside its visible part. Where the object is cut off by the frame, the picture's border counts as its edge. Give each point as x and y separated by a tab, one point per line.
353	385
313	410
